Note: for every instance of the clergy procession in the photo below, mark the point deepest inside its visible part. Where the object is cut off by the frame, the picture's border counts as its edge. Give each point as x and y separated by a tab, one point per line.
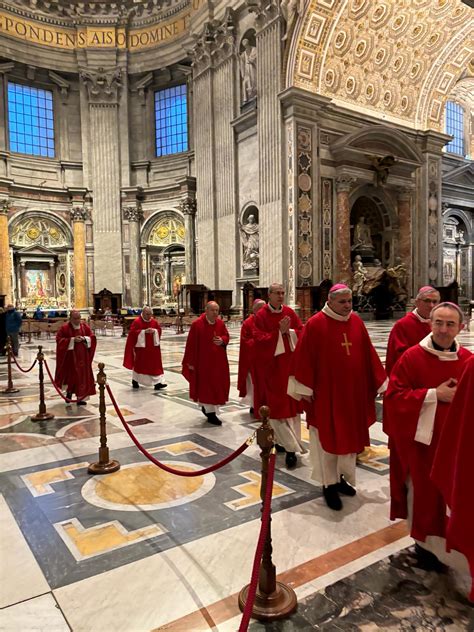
329	373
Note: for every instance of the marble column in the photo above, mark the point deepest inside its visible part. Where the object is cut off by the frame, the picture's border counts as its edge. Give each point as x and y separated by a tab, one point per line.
188	208
343	271
103	90
270	29
5	261
405	233
204	147
134	216
79	215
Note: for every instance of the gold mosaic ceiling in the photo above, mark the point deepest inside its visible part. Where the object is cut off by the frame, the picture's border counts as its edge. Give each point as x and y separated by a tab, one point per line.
401	58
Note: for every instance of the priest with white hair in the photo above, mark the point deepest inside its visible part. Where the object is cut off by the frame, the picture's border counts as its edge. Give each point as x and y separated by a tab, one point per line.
337	372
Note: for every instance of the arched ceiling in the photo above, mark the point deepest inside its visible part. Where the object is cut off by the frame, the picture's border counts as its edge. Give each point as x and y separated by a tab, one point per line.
398	59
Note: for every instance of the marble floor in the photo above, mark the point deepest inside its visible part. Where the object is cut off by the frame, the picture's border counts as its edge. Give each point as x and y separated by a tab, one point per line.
141	550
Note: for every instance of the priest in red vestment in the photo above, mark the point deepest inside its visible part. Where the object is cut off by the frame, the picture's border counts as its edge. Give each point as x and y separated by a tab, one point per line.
413	327
452	469
421	388
75	348
338	373
143	352
205	364
247	376
277	329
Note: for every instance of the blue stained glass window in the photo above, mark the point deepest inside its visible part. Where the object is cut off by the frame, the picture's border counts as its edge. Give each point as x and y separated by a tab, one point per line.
30	120
455	127
171	118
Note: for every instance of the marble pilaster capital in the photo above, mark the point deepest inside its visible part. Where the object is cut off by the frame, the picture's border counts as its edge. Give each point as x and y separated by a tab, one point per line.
202	52
102	86
79	213
188	206
133	213
224	38
404	194
344	183
266	11
4	205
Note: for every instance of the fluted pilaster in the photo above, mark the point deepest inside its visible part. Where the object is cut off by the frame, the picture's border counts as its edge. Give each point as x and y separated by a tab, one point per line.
5	264
134	216
79	214
188	208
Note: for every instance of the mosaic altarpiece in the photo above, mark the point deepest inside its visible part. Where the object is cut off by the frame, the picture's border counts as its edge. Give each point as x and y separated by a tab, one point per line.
42	262
163	261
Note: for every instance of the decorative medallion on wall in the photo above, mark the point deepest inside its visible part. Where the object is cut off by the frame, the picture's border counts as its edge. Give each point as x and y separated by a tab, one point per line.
291	211
167	231
326	226
38	231
433	204
305	205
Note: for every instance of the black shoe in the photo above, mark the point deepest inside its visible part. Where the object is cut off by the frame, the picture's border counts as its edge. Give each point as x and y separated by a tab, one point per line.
213	419
343	487
279	448
82	403
135	384
251	411
68	396
428	561
158	387
203	410
332	497
290	460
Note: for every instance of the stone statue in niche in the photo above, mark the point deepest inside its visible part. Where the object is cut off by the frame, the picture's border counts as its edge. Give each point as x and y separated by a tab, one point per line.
362	237
248	70
250	242
290	10
359	277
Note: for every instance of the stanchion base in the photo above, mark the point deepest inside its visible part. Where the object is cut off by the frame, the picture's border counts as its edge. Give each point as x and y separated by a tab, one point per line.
279	605
7	391
103	468
42	417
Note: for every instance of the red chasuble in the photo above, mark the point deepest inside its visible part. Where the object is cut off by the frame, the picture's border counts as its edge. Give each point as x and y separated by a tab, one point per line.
337	360
417	371
144	360
272	372
209	382
452	468
406	333
246	354
74	368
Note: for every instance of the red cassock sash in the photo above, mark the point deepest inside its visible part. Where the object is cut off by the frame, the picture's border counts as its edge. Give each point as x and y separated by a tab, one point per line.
74	367
209	381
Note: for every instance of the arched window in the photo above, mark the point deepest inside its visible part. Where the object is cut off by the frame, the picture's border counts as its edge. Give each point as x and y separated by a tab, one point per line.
455	127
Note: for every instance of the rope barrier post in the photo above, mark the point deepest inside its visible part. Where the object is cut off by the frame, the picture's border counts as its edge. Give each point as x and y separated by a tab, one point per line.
29	332
43	414
274	600
104	465
10	388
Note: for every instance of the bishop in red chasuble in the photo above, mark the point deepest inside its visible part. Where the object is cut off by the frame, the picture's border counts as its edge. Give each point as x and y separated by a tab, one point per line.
277	328
143	352
452	469
205	364
337	373
419	395
75	349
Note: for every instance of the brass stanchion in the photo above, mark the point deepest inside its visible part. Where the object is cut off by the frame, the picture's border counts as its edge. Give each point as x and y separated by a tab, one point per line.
179	324
274	600
10	388
43	414
104	465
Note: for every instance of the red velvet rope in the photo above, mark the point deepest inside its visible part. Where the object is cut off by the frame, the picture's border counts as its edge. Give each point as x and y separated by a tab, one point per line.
21	369
267	506
58	390
164	467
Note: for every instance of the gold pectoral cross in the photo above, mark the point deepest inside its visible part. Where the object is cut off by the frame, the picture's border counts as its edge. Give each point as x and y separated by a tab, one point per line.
346	344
